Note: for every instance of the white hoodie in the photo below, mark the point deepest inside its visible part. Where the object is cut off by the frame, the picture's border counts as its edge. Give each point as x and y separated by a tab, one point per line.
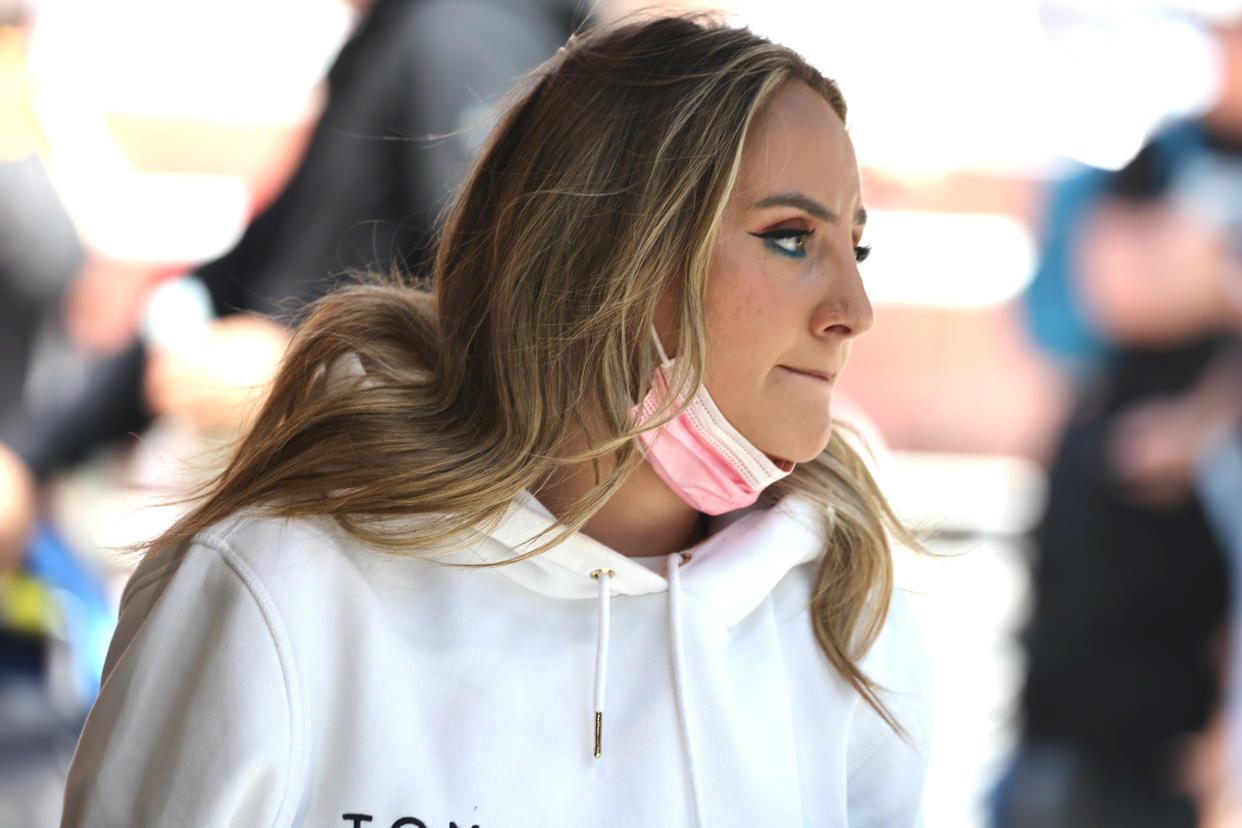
277	673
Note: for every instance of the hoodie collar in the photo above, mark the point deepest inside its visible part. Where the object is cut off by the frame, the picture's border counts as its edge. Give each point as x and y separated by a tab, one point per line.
733	569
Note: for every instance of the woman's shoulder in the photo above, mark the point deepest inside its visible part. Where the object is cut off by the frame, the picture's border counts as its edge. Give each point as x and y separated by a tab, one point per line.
898	657
270	543
267	554
886	769
898	664
201	653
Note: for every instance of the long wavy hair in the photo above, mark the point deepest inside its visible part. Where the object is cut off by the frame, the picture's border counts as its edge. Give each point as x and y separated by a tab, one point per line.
606	178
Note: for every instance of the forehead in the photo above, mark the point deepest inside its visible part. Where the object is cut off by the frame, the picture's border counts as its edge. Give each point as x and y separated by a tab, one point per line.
799	144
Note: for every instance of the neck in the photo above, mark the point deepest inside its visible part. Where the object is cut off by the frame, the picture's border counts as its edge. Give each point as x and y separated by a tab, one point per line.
642	518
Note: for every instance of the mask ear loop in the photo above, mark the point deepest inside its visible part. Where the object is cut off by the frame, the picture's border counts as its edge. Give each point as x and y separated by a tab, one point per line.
665	362
655	337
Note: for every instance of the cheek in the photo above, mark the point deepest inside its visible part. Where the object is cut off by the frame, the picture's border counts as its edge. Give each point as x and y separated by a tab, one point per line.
747	336
740	307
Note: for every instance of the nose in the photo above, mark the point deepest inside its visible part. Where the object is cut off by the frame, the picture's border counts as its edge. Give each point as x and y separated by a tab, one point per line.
843	309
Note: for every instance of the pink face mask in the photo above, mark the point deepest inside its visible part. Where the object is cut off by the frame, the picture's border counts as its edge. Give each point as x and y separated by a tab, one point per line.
700	455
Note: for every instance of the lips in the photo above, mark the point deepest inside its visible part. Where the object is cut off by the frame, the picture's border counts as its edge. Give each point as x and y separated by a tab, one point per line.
823	376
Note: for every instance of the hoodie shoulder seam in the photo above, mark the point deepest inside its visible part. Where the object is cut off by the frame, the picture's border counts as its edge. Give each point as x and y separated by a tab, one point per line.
280	641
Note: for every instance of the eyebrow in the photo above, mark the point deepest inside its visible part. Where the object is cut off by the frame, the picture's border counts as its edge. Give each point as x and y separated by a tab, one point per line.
808	205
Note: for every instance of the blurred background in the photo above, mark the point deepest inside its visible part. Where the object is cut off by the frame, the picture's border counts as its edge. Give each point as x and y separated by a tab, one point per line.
1055	201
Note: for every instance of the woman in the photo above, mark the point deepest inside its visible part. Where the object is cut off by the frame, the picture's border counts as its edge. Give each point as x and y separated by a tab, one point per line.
468	517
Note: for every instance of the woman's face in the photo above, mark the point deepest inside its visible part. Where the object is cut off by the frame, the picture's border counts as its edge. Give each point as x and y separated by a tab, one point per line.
784	298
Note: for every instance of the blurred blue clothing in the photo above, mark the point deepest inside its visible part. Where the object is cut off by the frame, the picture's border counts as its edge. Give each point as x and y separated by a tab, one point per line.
1056	786
1219	485
1056	321
86	617
55	602
1054	314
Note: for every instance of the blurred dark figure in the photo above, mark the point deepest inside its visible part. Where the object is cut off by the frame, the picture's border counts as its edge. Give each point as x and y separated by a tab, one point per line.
39	254
1132	588
364	197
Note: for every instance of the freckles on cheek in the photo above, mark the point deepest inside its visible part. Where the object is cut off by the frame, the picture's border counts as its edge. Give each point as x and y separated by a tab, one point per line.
739	320
739	297
744	315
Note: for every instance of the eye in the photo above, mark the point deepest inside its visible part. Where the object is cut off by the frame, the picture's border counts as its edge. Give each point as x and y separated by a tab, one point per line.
788	241
861	252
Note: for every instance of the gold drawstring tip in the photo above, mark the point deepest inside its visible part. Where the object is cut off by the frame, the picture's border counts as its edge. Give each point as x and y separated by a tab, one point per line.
599	732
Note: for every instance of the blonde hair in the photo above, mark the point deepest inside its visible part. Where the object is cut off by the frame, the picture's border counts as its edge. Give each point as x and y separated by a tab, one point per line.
605	179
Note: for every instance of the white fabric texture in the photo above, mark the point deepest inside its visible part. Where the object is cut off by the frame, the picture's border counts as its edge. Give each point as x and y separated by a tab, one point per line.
276	673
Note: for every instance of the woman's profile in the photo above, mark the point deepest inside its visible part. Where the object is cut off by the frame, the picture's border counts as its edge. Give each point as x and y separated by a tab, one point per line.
571	536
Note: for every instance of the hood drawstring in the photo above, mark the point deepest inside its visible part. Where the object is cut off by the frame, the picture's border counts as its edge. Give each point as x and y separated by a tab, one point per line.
601	653
675	562
677	650
732	581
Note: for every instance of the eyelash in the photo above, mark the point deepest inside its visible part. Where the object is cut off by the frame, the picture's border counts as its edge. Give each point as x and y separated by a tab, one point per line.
770	239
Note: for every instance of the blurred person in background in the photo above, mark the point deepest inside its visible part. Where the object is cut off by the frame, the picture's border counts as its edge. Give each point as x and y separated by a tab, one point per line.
465	512
1131	584
39	255
363	197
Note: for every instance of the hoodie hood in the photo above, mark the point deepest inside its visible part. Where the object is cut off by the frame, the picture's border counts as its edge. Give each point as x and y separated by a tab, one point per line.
733	569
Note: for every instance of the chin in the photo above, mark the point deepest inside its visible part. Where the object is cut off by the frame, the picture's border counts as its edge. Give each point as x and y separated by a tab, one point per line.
821	444
811	455
802	453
